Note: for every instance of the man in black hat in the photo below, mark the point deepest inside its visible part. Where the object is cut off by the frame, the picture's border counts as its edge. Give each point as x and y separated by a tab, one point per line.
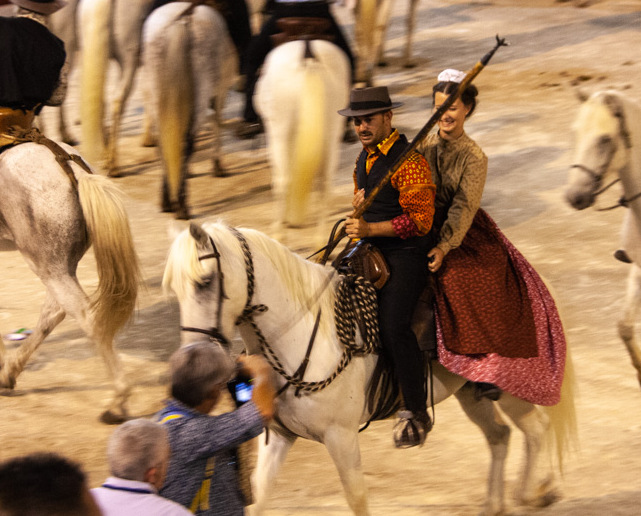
397	222
30	62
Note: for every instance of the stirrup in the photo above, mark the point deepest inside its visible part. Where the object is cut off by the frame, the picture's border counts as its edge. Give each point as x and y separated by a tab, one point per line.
409	430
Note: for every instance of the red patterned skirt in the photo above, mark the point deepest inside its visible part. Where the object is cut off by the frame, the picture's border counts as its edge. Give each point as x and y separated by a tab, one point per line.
496	320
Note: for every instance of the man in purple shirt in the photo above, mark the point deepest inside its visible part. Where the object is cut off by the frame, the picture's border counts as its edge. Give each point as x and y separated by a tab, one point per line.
138	454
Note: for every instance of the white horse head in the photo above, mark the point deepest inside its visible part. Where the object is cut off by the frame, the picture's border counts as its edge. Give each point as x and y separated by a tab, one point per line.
606	127
214	271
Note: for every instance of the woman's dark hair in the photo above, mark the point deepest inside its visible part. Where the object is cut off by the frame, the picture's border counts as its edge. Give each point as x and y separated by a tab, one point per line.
468	97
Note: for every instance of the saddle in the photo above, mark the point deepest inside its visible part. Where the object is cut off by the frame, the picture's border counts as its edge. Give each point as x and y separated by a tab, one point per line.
301	28
13	118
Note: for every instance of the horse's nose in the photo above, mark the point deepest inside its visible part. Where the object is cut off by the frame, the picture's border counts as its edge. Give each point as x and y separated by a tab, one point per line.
578	199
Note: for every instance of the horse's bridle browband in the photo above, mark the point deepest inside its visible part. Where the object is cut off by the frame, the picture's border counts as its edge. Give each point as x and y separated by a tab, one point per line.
617	111
214	332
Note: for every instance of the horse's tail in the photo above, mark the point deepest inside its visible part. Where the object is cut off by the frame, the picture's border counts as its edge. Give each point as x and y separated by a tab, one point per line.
310	147
108	228
95	19
176	101
562	416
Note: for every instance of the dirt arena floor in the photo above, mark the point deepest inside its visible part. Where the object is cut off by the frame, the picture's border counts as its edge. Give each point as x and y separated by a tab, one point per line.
523	122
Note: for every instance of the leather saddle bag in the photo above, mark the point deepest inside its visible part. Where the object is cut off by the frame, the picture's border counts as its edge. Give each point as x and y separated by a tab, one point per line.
363	259
301	28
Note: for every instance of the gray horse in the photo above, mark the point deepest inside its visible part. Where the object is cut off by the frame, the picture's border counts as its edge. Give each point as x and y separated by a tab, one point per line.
53	218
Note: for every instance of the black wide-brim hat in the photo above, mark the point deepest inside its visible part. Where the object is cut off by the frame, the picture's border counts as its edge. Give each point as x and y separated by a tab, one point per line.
367	101
41	6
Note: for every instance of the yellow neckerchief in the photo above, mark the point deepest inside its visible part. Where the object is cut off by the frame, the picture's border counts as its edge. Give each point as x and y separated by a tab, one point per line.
382	148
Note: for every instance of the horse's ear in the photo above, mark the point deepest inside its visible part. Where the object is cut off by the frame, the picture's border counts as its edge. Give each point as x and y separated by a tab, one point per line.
581	94
198	234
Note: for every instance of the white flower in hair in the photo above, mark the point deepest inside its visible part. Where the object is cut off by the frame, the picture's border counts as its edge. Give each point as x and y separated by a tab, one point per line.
451	75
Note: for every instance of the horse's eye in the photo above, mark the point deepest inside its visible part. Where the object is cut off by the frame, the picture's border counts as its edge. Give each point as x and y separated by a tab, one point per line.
204	283
605	140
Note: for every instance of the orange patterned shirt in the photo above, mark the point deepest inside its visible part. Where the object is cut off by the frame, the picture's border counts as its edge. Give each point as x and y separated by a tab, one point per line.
413	180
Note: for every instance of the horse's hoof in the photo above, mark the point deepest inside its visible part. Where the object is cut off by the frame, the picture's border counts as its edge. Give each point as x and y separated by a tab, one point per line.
148	141
182	214
219	171
6	382
247	130
110	418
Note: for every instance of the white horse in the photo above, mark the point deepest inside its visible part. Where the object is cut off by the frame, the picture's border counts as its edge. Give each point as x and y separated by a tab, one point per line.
189	64
302	86
608	150
226	278
108	28
52	218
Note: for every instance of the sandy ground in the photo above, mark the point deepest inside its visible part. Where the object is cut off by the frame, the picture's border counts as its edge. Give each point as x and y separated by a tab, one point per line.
523	123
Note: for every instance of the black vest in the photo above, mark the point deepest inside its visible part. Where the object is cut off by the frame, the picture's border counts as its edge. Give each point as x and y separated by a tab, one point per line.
385	205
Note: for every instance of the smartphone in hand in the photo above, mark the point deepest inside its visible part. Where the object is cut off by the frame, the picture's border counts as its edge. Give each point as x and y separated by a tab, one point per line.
241	389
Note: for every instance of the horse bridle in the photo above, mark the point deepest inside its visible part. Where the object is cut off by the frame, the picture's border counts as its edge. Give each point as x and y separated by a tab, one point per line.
616	110
214	332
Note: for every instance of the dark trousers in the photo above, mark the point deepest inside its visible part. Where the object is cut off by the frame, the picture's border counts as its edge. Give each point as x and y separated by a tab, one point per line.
261	44
396	303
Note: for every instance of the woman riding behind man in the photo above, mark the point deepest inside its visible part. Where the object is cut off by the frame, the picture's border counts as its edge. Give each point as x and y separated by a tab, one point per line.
492	306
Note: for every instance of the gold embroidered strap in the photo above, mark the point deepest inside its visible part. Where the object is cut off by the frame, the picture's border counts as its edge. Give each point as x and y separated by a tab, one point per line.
201	500
10	118
16	135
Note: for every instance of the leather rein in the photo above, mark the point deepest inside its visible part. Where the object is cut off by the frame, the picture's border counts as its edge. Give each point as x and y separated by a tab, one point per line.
597	177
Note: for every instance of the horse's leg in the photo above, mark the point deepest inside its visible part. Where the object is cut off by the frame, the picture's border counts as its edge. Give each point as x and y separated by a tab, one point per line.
382	23
50	316
533	422
484	414
626	325
408	61
342	445
118	106
216	124
270	458
69	295
148	137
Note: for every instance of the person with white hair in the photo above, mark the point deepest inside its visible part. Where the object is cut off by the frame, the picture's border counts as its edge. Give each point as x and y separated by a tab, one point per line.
138	455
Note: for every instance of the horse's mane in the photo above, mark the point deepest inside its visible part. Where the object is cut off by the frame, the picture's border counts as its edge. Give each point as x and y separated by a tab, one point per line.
595	114
305	281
